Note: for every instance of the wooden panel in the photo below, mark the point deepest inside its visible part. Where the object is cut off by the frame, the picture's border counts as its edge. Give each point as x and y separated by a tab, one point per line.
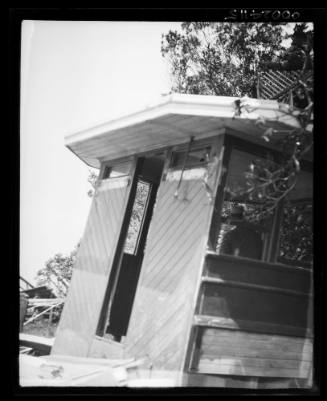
165	299
279	383
276	298
224	381
255	305
254	367
248	354
257	272
41	345
251	326
244	382
91	271
209	380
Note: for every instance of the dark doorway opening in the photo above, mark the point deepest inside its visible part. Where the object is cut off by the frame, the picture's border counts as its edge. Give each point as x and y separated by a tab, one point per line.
127	263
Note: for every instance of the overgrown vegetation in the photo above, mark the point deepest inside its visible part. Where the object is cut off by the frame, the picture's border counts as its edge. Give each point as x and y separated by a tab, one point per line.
57	272
220	59
226	59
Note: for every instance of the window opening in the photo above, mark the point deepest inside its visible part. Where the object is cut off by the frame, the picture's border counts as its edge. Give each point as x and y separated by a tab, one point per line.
242	232
137	218
118	170
245	223
248	223
191	158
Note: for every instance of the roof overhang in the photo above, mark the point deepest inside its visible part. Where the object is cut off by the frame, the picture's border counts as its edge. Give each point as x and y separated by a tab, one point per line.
173	121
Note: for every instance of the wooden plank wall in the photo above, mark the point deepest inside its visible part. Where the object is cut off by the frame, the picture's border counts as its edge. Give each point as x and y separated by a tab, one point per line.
234	352
254	320
258	305
244	382
275	295
250	271
80	315
165	298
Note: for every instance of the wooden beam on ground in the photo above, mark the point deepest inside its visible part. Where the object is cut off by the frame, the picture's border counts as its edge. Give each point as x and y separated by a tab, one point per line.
42	345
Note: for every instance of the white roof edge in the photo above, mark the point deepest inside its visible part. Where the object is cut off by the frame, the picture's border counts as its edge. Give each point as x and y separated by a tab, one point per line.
102	125
215	106
216	100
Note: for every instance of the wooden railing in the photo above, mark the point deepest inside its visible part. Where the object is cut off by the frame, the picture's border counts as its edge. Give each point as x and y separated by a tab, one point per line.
280	85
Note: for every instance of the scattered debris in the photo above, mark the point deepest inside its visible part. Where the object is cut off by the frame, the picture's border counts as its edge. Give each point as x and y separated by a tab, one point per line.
63	370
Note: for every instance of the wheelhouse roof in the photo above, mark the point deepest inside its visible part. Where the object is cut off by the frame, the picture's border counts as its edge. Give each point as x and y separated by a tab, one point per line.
172	121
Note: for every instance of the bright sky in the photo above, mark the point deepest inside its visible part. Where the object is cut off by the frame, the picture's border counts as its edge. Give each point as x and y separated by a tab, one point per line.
75	75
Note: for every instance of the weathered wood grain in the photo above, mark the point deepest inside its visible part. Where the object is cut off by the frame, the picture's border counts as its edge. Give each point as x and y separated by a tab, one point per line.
164	298
251	326
255	368
251	286
210	380
258	304
250	354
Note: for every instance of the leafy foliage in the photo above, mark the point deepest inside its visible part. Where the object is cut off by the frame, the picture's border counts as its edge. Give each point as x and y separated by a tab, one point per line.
296	242
220	58
300	50
92	179
57	272
273	181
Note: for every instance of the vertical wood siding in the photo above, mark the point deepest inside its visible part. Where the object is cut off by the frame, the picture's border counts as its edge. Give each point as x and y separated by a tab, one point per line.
91	272
166	293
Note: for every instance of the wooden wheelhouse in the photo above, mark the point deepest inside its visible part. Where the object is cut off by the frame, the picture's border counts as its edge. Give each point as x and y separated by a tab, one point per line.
150	281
